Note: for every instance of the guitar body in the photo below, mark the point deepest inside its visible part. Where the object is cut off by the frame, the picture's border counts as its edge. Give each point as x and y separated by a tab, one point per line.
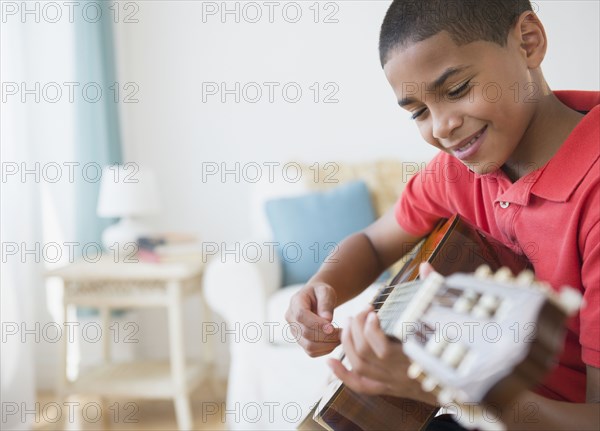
453	246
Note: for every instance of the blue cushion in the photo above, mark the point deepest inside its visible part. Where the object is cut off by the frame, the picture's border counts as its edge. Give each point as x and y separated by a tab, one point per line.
308	227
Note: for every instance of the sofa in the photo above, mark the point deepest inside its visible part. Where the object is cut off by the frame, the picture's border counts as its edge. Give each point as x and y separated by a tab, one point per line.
272	382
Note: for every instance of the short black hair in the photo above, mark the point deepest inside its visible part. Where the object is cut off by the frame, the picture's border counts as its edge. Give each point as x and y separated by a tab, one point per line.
410	21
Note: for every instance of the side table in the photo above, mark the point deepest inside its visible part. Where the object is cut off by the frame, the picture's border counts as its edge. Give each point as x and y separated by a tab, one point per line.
107	285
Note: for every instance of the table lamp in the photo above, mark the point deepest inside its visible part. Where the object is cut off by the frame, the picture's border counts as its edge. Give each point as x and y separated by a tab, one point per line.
128	192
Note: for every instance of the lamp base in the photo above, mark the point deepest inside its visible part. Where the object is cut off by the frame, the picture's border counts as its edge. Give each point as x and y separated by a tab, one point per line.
124	234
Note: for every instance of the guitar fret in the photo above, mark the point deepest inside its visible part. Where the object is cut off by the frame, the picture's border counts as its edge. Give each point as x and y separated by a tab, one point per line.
394	305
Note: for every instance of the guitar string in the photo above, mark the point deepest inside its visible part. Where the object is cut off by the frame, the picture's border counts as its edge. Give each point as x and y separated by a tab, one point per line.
400	294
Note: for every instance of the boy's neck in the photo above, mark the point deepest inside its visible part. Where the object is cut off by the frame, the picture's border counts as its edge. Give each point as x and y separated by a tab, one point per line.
551	125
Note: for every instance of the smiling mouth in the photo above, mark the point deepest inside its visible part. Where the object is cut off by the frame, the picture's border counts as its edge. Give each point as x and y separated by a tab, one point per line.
471	142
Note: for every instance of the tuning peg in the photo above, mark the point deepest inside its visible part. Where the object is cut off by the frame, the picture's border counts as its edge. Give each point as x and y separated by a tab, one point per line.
414	371
503	274
429	384
462	305
436	347
544	287
453	354
445	397
480	312
483	272
570	300
525	278
490	302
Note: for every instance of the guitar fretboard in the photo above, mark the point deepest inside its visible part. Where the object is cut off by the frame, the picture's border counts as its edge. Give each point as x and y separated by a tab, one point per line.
393	301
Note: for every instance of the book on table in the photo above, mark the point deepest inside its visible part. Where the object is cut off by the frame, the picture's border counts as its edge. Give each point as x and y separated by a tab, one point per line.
169	247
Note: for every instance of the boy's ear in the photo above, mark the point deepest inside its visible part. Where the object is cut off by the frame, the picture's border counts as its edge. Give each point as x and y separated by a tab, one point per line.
532	39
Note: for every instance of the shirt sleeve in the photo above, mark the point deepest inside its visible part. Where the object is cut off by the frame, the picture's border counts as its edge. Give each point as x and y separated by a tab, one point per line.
425	200
590	313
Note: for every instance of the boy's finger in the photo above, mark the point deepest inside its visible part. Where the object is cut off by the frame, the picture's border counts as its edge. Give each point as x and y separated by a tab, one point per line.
313	327
354	381
357	329
326	299
378	341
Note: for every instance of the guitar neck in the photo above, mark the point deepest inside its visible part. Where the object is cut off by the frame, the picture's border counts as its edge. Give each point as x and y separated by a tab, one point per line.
392	301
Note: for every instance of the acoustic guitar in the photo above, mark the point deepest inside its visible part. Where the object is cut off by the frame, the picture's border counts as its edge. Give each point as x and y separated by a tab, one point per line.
473	340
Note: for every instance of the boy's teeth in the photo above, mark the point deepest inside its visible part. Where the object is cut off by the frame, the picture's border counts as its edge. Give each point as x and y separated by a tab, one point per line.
471	142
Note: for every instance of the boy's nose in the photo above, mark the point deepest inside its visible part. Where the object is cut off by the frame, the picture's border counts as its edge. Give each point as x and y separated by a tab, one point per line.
445	125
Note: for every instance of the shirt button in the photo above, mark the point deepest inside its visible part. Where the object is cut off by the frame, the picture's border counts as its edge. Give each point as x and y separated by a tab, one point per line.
504	204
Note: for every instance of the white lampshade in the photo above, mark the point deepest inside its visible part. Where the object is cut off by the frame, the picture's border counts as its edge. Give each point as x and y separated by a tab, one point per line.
127	191
130	193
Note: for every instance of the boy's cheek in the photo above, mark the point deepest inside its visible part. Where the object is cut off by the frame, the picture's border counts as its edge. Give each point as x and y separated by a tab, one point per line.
426	133
428	137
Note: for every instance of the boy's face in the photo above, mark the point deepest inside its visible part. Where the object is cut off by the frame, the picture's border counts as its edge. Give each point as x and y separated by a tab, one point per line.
469	101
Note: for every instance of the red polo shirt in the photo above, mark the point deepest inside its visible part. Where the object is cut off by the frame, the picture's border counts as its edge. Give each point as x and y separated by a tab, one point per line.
552	215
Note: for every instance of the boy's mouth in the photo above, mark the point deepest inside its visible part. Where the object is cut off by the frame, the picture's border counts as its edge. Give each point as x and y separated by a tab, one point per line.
469	146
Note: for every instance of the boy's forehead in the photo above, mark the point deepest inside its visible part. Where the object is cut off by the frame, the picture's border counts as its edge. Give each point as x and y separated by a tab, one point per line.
424	56
424	61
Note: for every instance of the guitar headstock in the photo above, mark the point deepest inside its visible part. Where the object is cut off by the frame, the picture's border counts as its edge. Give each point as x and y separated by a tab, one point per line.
476	339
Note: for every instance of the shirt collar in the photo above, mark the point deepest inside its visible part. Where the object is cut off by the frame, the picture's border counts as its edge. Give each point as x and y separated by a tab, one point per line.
562	174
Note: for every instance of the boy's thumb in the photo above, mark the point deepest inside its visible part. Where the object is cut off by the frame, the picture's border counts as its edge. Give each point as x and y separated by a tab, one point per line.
326	299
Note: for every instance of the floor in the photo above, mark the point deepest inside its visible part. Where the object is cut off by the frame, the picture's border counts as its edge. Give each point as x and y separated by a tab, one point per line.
86	413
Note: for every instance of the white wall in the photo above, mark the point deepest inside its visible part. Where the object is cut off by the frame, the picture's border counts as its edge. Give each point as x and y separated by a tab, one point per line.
170	52
572	61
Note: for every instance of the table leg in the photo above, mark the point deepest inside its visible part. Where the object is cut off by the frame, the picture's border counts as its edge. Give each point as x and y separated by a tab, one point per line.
177	356
208	350
106	359
63	380
105	322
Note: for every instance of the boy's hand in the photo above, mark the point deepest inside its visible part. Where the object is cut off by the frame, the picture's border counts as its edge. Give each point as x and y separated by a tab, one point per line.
379	365
310	315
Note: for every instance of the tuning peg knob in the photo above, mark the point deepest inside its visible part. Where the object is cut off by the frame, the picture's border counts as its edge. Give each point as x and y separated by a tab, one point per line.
454	354
503	274
445	397
489	301
483	272
414	371
480	312
463	305
525	278
429	384
570	300
436	347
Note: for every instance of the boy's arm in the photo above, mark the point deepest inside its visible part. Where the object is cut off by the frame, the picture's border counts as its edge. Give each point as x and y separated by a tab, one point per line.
357	263
534	412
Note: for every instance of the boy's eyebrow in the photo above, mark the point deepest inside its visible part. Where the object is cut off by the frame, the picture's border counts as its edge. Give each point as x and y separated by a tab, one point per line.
451	71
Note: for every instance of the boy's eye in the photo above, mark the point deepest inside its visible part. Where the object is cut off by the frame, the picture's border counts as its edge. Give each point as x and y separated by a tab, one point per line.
417	113
458	91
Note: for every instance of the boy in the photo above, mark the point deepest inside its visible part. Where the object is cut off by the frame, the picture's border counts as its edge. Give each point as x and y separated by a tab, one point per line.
525	168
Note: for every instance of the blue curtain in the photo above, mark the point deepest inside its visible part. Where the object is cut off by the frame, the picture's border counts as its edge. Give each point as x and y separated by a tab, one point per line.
98	139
